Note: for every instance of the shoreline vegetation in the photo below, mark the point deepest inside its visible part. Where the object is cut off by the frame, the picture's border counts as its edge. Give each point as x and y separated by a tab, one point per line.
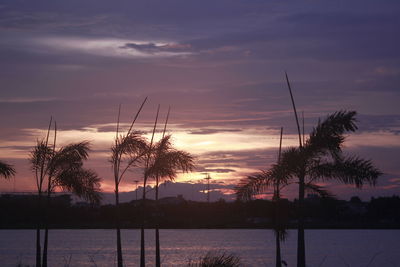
18	212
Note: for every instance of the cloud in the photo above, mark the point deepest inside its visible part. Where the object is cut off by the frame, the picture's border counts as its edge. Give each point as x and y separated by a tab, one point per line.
152	48
213	131
111	47
217	170
21	100
387	71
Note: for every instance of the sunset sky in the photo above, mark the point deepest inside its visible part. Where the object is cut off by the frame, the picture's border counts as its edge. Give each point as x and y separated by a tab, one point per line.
219	65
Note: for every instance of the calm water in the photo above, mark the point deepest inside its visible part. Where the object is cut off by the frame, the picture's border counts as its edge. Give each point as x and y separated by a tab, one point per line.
326	248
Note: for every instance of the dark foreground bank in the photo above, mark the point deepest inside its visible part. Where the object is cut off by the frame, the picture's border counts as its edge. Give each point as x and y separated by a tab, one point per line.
20	212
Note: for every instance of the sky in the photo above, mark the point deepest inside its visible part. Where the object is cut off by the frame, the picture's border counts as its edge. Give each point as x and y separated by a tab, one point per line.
219	65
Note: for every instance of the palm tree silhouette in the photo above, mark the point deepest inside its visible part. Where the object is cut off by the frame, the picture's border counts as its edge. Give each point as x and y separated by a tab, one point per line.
321	158
6	170
63	169
165	163
127	151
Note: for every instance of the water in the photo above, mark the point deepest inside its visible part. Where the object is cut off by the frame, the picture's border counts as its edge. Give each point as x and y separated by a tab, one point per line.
325	248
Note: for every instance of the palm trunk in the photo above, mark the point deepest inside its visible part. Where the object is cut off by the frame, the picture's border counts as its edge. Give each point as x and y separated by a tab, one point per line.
38	249
301	250
158	261
46	231
278	250
46	224
142	243
46	234
278	228
117	224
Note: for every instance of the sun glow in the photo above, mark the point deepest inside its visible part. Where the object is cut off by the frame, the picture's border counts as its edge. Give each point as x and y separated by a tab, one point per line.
217	151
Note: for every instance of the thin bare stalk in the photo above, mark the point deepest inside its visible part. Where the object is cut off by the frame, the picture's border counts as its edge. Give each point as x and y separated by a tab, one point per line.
137	115
304	136
294	109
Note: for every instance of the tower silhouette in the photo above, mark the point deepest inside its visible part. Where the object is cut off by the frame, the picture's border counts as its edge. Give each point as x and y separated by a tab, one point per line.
208	178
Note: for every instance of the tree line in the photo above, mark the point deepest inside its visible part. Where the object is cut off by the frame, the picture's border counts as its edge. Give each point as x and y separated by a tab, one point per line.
20	212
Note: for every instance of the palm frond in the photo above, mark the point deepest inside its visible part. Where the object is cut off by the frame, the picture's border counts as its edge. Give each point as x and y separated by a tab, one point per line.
327	136
291	163
129	146
6	170
253	185
348	170
319	190
165	161
39	155
70	156
76	150
82	182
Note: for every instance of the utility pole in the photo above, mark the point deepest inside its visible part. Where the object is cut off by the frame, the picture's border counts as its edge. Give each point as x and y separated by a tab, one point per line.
208	178
136	182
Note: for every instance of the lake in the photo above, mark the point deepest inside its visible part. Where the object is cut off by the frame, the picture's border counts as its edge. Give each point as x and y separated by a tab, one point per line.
325	248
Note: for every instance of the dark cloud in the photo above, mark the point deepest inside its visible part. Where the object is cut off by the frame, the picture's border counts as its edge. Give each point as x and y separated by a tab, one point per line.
152	48
256	159
371	123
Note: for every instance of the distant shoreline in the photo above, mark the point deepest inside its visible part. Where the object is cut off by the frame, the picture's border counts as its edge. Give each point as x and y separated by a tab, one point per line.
215	228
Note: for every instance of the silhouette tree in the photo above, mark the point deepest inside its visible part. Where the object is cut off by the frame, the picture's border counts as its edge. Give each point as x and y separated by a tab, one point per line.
127	151
321	158
63	169
165	163
6	170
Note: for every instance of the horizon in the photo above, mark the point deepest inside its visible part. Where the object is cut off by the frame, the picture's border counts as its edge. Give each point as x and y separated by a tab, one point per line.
220	66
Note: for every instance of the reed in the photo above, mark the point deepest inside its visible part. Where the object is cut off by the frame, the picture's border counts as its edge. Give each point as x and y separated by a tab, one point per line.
217	259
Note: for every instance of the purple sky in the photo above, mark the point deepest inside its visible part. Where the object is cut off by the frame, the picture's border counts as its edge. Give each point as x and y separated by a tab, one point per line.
219	64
